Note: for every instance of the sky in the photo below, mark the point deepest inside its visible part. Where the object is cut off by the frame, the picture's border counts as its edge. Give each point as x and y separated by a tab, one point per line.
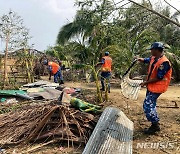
44	18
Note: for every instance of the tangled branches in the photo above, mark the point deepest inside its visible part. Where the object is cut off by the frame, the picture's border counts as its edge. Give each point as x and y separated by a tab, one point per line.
45	122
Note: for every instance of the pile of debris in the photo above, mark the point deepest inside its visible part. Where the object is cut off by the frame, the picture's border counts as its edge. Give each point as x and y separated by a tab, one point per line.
45	122
44	112
40	90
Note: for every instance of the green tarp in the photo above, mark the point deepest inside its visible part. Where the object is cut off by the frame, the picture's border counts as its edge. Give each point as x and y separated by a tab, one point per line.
12	92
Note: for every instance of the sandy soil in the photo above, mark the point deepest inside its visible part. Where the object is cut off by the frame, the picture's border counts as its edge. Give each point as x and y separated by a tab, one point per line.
169	118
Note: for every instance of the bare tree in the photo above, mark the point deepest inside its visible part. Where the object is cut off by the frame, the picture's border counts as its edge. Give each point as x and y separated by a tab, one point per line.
14	34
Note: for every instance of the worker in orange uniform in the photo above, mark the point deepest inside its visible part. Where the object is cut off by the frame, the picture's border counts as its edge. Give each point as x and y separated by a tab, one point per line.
55	70
159	77
106	64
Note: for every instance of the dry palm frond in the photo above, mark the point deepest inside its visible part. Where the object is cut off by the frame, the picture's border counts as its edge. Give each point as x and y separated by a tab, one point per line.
45	122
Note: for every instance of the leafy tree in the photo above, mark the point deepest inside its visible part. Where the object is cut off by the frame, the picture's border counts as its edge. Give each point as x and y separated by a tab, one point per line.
126	32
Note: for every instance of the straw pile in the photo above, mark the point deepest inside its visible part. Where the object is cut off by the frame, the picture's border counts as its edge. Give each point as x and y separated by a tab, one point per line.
45	122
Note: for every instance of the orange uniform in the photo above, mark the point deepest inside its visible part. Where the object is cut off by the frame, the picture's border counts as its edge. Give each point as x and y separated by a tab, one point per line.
54	67
162	85
106	67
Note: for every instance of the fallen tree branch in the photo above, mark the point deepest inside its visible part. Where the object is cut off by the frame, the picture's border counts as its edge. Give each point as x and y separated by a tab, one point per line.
171	6
157	13
38	146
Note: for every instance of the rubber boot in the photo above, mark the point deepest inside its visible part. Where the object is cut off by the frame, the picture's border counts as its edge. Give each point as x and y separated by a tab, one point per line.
61	82
102	85
109	91
152	129
102	89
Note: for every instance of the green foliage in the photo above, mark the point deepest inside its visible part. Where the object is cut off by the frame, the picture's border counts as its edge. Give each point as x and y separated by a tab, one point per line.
57	52
175	61
101	26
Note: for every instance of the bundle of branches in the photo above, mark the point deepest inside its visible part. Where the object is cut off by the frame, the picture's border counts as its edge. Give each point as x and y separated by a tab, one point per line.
44	123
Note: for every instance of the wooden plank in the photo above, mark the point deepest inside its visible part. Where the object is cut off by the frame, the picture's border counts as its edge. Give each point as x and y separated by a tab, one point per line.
113	134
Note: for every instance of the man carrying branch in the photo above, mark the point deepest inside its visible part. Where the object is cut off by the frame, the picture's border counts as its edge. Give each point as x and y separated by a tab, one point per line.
159	76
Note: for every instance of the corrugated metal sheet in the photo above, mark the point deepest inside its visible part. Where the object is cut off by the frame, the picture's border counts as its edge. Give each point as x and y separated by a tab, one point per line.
113	134
130	88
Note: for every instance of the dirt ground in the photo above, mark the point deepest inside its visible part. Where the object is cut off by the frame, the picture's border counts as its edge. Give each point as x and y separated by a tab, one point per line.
168	137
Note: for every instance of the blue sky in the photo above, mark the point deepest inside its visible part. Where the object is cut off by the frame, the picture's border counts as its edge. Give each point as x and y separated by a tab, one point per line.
44	18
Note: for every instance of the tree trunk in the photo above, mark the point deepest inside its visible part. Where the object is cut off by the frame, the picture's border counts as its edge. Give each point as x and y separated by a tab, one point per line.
1	63
98	91
31	70
28	72
29	67
5	61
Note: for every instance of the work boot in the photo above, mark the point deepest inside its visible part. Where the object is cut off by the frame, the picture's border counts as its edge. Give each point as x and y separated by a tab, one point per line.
61	82
152	129
102	89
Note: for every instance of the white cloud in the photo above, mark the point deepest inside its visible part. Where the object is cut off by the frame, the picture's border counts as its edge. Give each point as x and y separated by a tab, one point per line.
59	7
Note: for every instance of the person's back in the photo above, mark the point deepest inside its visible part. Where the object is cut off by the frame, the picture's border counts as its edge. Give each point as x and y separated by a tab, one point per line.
54	67
106	66
106	70
55	70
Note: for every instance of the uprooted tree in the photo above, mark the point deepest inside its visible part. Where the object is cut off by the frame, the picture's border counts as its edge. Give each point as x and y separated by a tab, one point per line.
14	35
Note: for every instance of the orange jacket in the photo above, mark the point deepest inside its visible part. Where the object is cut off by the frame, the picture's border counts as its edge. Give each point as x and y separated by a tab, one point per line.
162	85
106	67
54	66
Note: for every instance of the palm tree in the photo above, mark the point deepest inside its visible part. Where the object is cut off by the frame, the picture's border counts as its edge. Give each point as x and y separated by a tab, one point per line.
83	25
